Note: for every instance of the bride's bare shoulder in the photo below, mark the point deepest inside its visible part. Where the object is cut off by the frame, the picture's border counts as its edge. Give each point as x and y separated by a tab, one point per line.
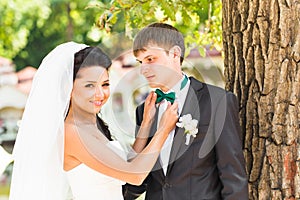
72	145
69	125
70	131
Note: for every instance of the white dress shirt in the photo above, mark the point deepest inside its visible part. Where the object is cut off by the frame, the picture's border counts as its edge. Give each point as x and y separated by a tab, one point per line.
180	96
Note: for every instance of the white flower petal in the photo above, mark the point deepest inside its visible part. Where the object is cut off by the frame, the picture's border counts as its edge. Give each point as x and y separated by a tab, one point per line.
194	133
180	125
194	122
189	127
187	118
180	119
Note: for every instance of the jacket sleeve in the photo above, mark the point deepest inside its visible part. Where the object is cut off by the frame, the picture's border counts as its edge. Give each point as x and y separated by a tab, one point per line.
131	192
229	153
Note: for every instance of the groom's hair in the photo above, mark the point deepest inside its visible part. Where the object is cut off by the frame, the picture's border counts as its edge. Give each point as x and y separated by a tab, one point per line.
161	35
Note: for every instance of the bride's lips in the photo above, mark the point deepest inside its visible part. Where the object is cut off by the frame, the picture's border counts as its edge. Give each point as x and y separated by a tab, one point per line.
97	103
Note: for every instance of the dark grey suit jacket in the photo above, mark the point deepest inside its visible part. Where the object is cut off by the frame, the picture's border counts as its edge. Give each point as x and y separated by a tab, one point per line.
212	166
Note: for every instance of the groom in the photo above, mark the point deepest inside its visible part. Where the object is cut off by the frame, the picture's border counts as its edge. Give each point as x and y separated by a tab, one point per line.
200	161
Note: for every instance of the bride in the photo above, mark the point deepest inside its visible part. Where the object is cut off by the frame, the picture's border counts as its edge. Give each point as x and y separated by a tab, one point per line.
63	145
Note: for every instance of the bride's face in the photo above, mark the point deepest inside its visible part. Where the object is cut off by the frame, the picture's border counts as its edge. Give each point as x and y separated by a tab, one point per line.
91	89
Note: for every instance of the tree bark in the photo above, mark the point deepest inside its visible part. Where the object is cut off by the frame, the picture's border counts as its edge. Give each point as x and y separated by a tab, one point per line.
70	28
261	41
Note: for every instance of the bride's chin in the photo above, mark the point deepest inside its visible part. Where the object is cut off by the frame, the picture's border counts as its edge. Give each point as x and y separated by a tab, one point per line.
96	111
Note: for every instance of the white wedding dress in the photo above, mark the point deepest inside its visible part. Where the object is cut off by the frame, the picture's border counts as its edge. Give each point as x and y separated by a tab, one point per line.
88	184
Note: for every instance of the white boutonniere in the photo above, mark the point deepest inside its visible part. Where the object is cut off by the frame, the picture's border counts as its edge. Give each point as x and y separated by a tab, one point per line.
190	126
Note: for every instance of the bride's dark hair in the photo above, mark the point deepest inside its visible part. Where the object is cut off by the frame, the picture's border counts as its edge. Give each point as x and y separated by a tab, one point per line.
87	57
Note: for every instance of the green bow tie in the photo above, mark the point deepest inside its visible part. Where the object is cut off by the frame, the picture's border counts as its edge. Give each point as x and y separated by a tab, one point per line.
161	96
171	95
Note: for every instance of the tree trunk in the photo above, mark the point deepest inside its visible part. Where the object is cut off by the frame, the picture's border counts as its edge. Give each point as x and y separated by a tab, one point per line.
261	41
69	31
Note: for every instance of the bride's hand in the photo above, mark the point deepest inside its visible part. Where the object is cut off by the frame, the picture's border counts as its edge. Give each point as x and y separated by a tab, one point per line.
170	117
149	109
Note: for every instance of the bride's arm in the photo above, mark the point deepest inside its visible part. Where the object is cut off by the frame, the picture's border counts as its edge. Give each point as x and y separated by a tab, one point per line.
95	153
148	118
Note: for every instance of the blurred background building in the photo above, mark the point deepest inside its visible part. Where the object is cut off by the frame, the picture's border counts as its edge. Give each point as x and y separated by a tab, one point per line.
14	89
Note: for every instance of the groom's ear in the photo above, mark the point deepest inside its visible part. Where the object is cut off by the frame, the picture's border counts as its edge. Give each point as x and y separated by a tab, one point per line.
176	51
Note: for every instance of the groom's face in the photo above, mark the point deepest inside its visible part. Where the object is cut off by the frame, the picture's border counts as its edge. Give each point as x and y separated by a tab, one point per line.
157	67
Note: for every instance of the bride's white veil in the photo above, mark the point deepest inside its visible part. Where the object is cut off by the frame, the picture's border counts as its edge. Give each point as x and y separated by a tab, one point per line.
38	152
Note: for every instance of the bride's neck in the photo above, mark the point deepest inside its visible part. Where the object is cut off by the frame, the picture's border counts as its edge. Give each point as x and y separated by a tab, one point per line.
80	117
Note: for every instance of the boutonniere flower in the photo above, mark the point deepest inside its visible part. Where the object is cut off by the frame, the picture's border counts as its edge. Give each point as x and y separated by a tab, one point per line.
190	126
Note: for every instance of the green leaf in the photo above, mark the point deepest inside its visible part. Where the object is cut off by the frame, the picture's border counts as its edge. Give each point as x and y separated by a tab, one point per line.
169	11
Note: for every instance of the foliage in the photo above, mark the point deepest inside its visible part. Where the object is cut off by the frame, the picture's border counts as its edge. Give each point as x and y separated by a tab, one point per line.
199	21
17	19
69	20
31	28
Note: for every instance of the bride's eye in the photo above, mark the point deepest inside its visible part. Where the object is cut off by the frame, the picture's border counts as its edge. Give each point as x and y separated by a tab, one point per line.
89	85
106	85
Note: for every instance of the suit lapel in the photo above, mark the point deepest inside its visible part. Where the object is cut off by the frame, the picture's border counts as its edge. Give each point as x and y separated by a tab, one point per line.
190	107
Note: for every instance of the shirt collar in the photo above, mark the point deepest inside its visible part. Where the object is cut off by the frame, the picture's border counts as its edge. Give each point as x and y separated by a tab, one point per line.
176	87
